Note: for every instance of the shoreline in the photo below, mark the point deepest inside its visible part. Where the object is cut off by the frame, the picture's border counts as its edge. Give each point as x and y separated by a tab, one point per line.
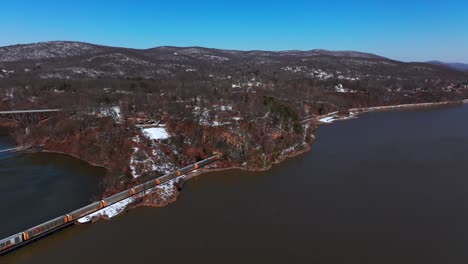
285	157
405	106
74	156
307	148
354	113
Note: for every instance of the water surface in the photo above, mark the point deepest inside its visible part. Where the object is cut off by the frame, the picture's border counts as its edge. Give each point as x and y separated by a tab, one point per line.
35	188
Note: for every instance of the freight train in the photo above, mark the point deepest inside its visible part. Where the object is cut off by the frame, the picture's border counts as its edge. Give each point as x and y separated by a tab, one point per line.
61	221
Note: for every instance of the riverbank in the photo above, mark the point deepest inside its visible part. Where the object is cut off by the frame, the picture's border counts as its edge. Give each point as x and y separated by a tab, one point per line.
330	118
354	112
405	106
167	193
292	154
94	164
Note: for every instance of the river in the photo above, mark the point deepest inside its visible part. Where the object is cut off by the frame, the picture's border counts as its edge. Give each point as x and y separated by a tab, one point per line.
388	187
38	187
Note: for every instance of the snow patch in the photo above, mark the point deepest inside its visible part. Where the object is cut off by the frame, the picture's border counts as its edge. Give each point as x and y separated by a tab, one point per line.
156	133
335	117
225	108
110	211
216	123
143	161
133	162
113	112
329	119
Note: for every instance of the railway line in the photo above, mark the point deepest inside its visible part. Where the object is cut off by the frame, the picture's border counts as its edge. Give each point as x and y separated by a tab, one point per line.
22	238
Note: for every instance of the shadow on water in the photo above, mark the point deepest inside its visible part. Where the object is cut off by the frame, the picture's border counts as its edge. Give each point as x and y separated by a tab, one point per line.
4	157
6	142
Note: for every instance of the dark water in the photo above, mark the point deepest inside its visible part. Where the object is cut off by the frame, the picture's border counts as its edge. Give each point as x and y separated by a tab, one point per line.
386	188
5	140
35	188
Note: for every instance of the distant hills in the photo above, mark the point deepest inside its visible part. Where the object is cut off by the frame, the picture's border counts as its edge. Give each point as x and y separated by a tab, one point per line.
78	60
453	65
64	49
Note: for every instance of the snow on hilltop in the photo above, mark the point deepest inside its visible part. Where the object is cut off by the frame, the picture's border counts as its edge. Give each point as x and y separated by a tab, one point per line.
47	50
76	60
323	52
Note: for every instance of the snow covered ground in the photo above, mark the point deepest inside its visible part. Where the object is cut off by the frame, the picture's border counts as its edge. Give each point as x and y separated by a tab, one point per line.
110	211
216	123
112	111
146	160
134	163
335	117
327	120
166	190
156	133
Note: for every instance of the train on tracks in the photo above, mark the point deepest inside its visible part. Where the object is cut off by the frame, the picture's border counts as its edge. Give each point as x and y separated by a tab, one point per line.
19	239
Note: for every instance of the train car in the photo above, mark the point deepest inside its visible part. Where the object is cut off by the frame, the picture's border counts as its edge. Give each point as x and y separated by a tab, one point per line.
153	183
204	162
139	188
45	227
148	185
208	161
187	169
85	210
11	241
117	197
168	177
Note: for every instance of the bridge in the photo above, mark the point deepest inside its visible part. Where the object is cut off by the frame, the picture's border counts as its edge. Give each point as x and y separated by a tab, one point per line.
28	117
20	239
17	149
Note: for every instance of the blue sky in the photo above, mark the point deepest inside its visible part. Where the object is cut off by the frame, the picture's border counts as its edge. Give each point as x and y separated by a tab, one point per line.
404	30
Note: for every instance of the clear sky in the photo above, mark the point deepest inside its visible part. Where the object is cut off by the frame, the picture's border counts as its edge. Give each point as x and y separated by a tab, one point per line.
405	30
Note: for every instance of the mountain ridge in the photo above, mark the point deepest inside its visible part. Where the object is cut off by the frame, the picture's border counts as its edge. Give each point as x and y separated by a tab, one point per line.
86	45
453	65
78	60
